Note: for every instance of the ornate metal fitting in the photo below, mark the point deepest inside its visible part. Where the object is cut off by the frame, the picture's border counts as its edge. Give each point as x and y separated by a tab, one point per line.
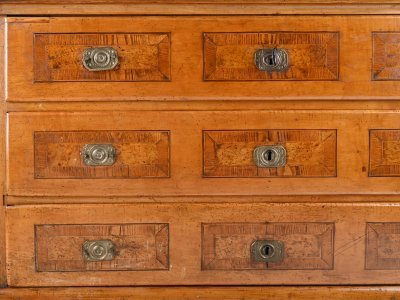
267	251
98	154
271	60
98	250
100	59
270	156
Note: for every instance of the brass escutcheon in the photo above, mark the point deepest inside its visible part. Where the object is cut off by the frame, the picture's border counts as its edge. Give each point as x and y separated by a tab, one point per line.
100	59
267	251
99	250
270	60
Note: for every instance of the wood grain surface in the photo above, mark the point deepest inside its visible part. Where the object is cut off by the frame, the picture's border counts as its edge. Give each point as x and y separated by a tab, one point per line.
386	56
186	130
199	7
187	82
185	219
311	55
309	153
137	247
382	246
142	57
206	293
384	152
307	246
139	154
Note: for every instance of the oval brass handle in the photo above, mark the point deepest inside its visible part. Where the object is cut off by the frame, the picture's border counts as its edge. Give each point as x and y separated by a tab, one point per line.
270	156
271	60
99	250
267	251
100	59
98	154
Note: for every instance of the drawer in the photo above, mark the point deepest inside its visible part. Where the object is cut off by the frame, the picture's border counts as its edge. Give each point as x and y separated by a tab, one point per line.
384	160
101	57
108	247
181	58
270	153
271	56
171	153
204	244
285	246
101	154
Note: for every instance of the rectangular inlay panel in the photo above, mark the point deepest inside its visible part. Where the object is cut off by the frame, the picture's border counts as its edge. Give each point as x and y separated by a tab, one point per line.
382	246
384	158
310	153
142	56
386	56
226	246
139	154
312	55
137	247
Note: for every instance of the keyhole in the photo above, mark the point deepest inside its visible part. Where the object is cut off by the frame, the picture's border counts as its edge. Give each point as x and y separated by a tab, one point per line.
269	155
270	60
267	251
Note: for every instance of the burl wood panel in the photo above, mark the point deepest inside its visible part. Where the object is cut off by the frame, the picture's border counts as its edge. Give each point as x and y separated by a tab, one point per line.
384	156
137	247
142	56
386	56
310	153
312	55
139	154
382	246
306	245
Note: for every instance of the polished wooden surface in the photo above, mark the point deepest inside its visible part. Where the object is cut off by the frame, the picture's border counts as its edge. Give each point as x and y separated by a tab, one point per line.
206	293
186	130
309	153
142	57
139	247
306	246
311	55
349	238
187	60
138	154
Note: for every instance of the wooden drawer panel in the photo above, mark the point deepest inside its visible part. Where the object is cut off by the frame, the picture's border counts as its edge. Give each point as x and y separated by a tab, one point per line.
142	57
135	247
169	153
382	246
309	153
138	154
384	157
210	243
210	58
226	246
311	55
386	56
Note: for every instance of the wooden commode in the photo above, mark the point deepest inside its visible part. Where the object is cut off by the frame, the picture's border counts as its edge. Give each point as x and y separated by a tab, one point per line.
190	149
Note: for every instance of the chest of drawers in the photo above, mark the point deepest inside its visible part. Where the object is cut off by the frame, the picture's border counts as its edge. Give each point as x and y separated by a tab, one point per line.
200	143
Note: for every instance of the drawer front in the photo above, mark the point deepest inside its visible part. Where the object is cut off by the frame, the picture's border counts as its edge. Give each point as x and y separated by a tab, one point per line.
382	246
73	248
101	57
171	153
271	56
101	154
386	56
307	153
384	159
303	246
203	58
209	243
